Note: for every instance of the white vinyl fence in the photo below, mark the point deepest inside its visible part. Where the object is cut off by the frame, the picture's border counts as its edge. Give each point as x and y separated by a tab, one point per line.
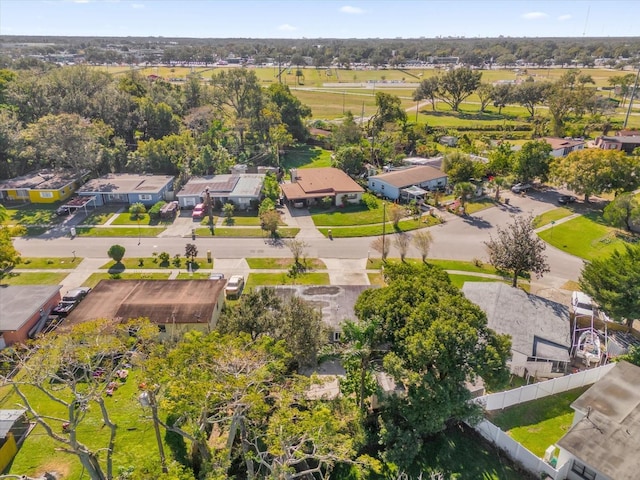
515	450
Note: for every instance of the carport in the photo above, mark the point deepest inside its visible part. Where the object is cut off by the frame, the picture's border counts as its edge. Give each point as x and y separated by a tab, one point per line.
79	202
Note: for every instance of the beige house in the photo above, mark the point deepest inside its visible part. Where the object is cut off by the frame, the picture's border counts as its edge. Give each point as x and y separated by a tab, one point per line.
175	306
311	185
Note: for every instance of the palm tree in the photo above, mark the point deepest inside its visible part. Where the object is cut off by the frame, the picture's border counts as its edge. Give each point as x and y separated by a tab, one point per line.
498	183
462	191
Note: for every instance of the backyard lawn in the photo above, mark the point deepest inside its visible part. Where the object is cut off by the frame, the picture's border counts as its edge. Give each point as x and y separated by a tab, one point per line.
306	156
585	236
539	423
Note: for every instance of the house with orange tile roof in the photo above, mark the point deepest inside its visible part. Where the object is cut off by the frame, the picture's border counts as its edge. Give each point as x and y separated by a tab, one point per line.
310	185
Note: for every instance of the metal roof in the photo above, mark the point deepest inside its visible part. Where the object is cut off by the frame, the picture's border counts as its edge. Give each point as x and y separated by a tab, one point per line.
20	302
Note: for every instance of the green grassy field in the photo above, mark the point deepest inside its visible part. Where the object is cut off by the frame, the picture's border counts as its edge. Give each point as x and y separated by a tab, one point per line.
551	216
32	278
282	263
539	423
149	263
119	231
405	225
248	232
32	214
38	263
585	236
311	278
306	156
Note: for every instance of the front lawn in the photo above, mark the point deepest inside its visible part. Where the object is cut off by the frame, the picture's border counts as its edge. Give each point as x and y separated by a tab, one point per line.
32	278
237	221
100	215
95	278
32	214
246	232
405	225
585	237
551	216
282	263
539	423
41	263
347	216
262	279
119	231
152	263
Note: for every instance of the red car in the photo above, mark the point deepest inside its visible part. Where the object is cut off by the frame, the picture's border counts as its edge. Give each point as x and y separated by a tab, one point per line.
198	211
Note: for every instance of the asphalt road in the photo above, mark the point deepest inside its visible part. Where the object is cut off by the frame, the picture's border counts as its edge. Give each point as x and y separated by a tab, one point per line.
457	238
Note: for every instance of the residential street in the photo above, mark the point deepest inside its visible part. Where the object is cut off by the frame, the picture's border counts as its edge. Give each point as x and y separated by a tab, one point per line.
458	238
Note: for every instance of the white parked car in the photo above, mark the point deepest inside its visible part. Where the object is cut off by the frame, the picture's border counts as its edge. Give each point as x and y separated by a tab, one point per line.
582	305
234	286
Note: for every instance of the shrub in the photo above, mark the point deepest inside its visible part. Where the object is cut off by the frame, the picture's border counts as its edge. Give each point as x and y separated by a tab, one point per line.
155	257
266	205
164	258
154	212
115	276
50	262
370	201
177	260
141	262
116	252
327	202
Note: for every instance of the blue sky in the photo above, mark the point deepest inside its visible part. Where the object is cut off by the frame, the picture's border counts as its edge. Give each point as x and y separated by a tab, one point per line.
321	18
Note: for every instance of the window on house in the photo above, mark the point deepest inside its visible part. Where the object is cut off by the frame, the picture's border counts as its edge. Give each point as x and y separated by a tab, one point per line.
145	196
582	470
22	193
162	328
335	337
46	194
351	196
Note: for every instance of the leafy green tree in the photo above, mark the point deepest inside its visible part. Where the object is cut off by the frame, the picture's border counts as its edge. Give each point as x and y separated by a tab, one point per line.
428	89
462	191
137	210
485	94
623	211
501	159
388	111
530	94
265	206
292	111
191	252
348	132
569	95
350	159
458	166
270	220
9	256
157	120
517	249
532	161
435	341
116	252
502	95
614	284
271	187
592	171
61	368
458	84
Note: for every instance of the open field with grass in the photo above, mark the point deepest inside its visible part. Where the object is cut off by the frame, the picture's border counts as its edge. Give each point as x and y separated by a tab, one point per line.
551	216
95	278
32	278
585	236
262	279
282	263
119	231
40	263
135	440
539	423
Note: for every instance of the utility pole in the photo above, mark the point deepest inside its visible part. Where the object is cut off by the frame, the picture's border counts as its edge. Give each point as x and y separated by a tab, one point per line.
633	93
384	227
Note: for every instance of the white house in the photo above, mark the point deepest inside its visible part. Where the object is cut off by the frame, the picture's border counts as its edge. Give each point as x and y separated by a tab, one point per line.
392	184
561	147
244	190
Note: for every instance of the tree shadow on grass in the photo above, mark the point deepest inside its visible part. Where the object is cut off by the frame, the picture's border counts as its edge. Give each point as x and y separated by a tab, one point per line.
116	268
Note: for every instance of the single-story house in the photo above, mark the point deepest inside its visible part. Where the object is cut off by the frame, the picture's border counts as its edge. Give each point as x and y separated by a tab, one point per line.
391	184
244	190
25	309
175	306
626	143
539	328
44	186
128	188
561	147
603	441
14	425
311	185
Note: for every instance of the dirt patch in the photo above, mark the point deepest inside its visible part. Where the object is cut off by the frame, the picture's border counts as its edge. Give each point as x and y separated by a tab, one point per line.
58	468
321	290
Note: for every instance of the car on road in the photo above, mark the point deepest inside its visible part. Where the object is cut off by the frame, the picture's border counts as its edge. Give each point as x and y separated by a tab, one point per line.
216	276
198	211
565	199
234	286
63	211
581	305
521	187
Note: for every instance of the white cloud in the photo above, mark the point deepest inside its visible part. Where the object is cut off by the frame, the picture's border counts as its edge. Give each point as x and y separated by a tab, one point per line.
137	5
563	18
80	1
351	10
285	27
534	15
